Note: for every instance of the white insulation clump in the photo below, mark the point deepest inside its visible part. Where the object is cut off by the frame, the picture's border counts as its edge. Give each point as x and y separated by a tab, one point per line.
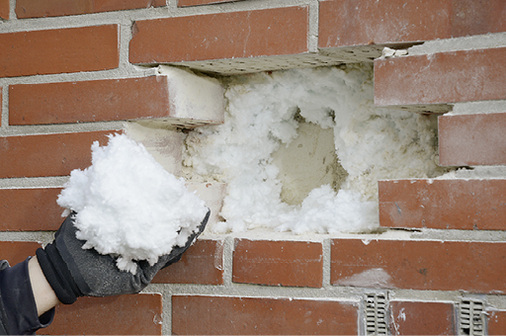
127	205
371	144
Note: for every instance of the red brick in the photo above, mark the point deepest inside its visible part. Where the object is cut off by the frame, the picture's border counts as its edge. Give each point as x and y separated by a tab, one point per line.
420	265
497	322
185	3
59	50
472	139
443	204
201	264
44	8
30	209
101	100
4	9
278	263
1	104
422	318
18	251
208	315
47	155
278	31
448	77
118	315
350	22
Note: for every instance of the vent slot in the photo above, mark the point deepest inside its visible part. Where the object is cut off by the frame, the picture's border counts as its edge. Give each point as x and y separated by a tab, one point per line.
471	318
375	314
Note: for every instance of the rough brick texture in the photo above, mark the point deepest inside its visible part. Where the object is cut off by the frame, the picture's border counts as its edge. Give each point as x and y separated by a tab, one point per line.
4	9
497	322
46	8
197	315
184	3
421	318
472	139
278	31
118	315
18	251
276	263
350	22
443	204
423	265
101	100
47	155
439	78
201	264
33	209
59	50
1	104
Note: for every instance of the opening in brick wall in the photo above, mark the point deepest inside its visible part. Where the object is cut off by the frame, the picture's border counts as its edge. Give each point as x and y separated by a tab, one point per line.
302	150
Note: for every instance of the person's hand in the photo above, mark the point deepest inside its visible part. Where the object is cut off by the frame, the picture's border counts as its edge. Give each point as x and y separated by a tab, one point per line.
72	271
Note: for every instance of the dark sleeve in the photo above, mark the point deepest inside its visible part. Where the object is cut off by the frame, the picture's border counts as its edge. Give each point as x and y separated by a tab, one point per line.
18	312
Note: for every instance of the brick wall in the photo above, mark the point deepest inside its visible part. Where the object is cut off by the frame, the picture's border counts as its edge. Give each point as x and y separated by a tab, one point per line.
73	71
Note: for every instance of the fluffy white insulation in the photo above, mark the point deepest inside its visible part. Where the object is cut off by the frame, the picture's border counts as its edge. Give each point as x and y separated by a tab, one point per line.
127	205
371	144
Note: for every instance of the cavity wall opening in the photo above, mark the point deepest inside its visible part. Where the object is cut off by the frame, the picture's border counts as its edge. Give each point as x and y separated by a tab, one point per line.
302	150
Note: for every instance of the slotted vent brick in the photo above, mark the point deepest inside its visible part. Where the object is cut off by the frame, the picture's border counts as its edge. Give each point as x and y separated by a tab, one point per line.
375	314
471	318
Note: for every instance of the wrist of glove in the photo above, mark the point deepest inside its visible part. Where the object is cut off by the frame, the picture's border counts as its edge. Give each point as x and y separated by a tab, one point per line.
73	271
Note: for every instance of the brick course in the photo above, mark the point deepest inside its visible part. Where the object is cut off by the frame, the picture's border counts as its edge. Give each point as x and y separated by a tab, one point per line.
17	251
278	263
201	264
261	316
351	23
421	265
31	209
88	101
59	50
138	314
279	31
471	140
46	8
439	78
4	9
443	204
422	318
47	155
497	322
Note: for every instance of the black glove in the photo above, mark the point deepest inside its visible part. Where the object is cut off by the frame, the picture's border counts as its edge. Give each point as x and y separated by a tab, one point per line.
72	271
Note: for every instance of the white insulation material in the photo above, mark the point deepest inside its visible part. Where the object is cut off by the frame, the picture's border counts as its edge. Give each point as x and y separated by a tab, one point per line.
127	205
371	144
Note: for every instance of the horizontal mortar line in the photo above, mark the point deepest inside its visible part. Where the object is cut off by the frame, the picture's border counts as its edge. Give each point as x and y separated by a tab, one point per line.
126	70
475	42
62	128
478	107
450	296
139	14
258	291
335	293
33	182
43	237
389	234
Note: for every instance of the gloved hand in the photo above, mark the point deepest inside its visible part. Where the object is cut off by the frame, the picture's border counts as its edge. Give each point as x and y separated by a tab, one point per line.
72	271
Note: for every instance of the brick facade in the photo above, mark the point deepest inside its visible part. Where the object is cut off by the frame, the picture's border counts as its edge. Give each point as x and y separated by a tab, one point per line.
72	72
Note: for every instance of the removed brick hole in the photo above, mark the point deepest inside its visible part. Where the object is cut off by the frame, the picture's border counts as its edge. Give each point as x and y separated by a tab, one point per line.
302	151
471	318
375	306
317	164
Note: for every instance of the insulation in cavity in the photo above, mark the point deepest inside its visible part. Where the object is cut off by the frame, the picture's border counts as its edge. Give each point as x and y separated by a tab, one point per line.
302	150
